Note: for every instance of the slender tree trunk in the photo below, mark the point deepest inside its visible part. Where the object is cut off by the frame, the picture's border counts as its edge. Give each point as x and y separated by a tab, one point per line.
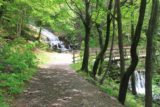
87	22
133	84
87	25
132	21
86	51
100	70
1	11
149	53
20	23
134	56
111	51
18	26
99	30
101	54
120	38
39	34
109	62
100	38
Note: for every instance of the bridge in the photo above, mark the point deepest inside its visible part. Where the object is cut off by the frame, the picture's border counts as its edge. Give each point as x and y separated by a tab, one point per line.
115	54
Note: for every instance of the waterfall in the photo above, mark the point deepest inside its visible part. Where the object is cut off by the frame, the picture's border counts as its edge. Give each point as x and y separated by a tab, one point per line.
140	85
140	81
51	39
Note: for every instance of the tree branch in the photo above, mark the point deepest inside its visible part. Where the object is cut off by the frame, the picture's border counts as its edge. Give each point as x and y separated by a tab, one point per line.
79	12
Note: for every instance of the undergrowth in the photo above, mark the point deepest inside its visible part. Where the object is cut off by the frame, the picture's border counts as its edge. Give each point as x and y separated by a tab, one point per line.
18	64
13	84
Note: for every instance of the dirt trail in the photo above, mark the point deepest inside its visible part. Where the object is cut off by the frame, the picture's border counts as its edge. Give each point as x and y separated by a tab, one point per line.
57	85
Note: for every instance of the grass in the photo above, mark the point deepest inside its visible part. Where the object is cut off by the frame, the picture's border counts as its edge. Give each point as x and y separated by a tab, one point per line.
41	56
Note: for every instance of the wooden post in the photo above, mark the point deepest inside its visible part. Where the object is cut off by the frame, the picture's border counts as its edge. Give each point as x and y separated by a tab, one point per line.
73	56
96	54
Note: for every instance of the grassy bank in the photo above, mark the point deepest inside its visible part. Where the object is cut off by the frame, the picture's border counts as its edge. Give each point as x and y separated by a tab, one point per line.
111	88
18	64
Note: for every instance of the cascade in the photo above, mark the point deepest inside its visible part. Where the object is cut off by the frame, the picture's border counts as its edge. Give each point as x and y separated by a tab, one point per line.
51	39
139	82
140	85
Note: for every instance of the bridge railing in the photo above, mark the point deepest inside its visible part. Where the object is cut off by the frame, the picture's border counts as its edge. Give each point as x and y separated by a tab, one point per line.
115	54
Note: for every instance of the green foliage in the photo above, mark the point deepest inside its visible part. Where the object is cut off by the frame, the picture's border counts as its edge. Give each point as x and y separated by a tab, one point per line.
76	66
110	87
133	101
17	65
93	42
17	56
12	84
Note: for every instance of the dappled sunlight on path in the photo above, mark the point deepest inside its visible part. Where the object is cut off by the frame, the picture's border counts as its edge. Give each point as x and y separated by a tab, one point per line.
57	85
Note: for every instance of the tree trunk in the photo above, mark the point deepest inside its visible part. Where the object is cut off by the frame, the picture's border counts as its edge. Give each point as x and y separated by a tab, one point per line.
87	22
133	85
86	50
20	22
120	38
110	54
19	27
134	56
132	22
100	38
101	54
99	30
109	62
1	11
87	25
39	34
149	53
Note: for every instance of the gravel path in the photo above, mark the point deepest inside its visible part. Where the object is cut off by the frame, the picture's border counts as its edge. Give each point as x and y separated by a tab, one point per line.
57	85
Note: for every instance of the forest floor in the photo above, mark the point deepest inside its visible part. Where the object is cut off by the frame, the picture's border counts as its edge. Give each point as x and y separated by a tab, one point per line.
57	85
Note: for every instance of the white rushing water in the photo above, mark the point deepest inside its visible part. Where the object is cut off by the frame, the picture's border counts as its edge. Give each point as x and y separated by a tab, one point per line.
140	85
140	81
51	39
